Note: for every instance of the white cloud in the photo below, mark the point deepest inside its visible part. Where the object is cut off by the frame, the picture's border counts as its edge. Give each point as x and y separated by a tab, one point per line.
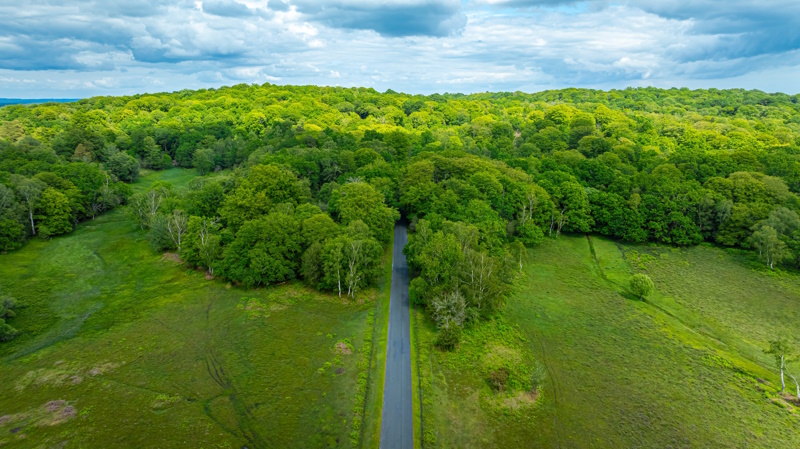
75	49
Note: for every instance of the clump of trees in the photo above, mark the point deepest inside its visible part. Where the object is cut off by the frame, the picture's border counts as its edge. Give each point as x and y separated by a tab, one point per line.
258	227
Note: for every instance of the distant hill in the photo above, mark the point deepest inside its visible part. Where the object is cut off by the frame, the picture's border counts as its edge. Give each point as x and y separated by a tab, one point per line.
8	101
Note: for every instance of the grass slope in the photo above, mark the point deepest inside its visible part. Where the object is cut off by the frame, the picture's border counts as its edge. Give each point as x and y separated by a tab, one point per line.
121	347
677	371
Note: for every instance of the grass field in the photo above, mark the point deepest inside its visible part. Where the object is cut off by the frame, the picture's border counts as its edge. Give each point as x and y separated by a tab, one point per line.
680	370
122	347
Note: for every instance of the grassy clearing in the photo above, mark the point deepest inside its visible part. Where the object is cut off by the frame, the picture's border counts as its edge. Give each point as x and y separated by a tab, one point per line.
178	177
679	370
121	347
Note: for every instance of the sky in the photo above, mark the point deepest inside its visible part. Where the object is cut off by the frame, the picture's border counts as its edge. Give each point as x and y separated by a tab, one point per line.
75	49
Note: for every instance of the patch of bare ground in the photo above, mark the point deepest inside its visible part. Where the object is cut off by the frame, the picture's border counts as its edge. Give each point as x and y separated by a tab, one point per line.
49	414
342	348
102	369
521	399
172	257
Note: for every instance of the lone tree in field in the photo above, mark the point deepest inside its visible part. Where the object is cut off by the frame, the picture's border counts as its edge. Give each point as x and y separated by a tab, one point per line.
641	285
796	384
780	351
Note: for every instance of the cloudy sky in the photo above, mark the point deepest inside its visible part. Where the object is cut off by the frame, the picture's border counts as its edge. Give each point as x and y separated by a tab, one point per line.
51	48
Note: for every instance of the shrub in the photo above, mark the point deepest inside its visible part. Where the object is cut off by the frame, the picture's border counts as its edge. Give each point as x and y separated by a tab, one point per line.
538	376
641	285
499	378
448	338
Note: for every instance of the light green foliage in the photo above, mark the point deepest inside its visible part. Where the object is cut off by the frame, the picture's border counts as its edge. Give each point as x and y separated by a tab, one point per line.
770	247
202	246
360	201
264	187
53	213
641	285
318	228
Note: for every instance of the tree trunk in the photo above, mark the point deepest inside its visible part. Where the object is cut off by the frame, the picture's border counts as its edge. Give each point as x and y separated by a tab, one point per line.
33	228
783	383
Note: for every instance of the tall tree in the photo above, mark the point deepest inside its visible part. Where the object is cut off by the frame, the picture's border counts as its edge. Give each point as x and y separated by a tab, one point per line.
30	191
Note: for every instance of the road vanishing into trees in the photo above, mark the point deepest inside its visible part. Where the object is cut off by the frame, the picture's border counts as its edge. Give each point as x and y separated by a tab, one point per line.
396	424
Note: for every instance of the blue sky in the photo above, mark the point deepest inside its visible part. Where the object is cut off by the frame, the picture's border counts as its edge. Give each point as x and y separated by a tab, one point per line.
52	48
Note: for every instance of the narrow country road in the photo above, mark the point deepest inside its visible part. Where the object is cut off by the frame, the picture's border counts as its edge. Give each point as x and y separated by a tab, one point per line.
396	424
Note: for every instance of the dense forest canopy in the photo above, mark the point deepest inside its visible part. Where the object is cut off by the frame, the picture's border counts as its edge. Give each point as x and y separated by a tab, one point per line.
313	178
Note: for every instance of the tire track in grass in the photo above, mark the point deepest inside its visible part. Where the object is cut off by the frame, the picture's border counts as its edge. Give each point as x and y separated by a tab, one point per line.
556	388
244	418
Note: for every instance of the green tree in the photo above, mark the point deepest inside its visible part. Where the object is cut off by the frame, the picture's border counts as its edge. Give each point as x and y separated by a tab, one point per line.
29	191
7	305
53	213
203	160
360	201
318	228
158	234
780	351
519	252
265	251
202	245
771	248
123	166
264	187
334	269
449	310
312	264
641	285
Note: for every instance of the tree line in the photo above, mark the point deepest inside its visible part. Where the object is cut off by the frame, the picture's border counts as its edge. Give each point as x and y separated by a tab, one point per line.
313	178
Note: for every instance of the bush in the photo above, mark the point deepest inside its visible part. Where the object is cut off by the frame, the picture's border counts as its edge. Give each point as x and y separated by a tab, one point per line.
6	305
641	285
158	235
12	234
499	378
538	376
448	338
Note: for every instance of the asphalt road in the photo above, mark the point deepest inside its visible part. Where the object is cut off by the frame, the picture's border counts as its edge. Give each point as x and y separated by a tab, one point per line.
396	424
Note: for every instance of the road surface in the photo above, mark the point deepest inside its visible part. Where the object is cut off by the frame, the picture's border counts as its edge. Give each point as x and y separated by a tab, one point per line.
396	424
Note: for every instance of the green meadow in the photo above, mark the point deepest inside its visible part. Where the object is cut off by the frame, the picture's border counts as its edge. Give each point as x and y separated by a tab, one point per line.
683	369
123	347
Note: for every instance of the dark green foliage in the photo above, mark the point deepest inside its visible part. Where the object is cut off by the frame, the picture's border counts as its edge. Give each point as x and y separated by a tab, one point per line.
449	338
123	166
265	251
7	305
158	235
498	379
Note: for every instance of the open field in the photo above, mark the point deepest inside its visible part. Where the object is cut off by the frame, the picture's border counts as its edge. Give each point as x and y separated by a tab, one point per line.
680	370
122	347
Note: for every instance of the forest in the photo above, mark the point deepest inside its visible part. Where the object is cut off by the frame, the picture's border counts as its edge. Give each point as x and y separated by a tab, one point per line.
304	182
